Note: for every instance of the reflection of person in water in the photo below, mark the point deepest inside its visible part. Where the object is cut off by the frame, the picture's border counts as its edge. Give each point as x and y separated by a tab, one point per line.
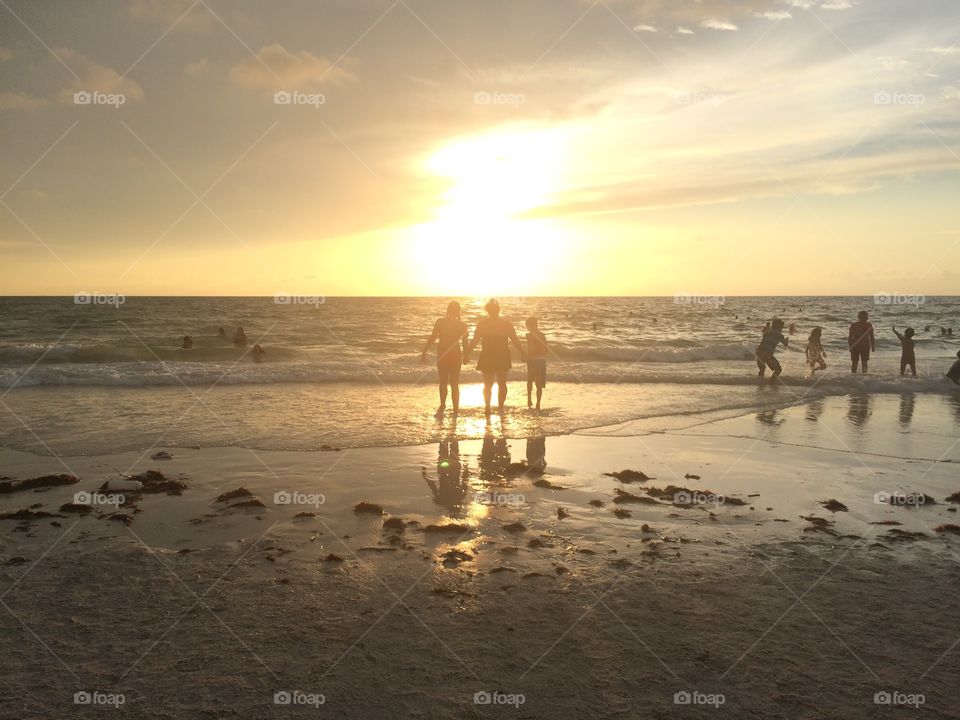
494	458
451	485
537	454
859	410
814	410
907	402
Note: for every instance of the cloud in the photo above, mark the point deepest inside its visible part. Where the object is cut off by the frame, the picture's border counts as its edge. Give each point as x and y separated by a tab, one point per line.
684	31
644	28
93	77
836	5
713	24
888	62
5	54
12	100
951	93
774	15
945	51
173	11
274	68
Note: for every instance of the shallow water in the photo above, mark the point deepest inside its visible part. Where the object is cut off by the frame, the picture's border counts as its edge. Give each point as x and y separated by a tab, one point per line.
90	379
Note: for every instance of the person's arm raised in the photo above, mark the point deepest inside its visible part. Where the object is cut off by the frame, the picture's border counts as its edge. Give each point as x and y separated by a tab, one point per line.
476	336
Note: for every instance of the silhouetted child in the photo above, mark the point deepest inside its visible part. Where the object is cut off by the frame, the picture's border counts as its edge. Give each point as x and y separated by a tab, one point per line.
768	344
907	355
815	353
761	365
536	361
954	372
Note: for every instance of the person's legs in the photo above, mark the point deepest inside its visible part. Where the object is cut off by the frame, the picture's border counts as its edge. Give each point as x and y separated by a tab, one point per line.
854	359
501	389
444	379
454	378
775	367
913	367
903	367
488	378
539	395
864	359
530	388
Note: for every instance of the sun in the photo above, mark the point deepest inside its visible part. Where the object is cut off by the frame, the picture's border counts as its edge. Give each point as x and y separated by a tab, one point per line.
478	241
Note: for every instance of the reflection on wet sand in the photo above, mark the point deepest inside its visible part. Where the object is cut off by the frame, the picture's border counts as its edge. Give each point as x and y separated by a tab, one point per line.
494	458
814	410
452	483
859	409
907	404
770	417
537	454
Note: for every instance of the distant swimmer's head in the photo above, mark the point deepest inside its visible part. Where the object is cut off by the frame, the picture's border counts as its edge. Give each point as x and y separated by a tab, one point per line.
908	333
776	324
862	316
221	332
532	323
187	342
493	307
453	309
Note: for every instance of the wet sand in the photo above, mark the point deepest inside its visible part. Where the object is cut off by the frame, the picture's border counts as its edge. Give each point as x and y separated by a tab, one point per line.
485	578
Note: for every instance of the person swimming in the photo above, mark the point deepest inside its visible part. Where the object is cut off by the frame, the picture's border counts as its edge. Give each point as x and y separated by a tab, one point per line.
187	342
239	337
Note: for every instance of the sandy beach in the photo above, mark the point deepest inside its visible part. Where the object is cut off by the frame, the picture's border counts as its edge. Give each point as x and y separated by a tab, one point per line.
496	592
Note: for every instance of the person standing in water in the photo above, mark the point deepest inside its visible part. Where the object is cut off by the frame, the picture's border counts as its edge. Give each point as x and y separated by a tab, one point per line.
860	340
451	331
816	355
536	361
908	357
771	338
496	334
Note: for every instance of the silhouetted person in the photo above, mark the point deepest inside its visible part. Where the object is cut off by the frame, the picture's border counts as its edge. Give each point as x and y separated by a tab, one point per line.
451	332
221	332
761	365
536	361
860	340
954	372
815	353
907	356
496	334
257	353
239	337
772	337
187	342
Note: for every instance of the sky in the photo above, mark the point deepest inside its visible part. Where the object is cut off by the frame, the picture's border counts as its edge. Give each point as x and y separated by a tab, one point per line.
480	147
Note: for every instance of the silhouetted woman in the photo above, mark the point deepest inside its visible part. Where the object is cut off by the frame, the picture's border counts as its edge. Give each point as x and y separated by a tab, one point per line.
450	331
496	334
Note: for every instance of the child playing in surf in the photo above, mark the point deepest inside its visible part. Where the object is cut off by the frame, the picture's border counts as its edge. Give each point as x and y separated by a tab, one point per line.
768	344
536	361
907	355
954	372
815	353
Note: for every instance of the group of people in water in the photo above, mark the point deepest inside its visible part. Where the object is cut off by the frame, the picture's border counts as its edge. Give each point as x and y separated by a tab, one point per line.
494	334
239	340
861	341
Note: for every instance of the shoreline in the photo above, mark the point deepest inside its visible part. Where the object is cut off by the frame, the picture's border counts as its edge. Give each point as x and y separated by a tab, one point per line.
204	607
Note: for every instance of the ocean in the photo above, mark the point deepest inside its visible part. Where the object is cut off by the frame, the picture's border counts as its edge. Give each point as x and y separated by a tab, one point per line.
99	377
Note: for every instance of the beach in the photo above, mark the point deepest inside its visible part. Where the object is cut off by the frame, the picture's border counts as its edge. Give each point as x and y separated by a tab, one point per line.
731	583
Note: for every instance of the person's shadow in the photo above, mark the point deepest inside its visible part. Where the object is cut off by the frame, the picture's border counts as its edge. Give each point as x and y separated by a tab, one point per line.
451	485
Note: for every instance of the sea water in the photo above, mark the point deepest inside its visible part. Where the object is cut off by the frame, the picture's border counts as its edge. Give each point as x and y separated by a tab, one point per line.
91	378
